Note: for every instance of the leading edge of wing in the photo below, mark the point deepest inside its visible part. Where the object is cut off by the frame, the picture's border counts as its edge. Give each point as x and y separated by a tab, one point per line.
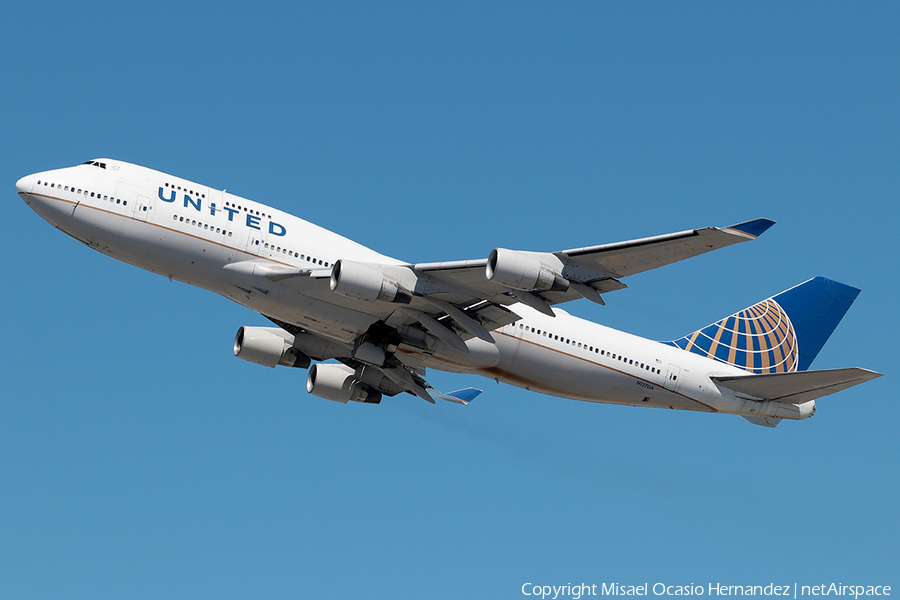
748	230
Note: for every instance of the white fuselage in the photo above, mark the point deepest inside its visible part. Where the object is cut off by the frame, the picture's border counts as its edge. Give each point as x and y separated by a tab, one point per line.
227	244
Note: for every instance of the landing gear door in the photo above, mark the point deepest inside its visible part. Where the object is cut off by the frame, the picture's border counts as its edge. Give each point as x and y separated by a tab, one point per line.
672	377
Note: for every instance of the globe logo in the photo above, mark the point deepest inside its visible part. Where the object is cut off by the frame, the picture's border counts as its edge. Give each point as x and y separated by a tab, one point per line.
759	339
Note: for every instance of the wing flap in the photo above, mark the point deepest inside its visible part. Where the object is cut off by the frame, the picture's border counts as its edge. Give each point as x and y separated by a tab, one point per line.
796	387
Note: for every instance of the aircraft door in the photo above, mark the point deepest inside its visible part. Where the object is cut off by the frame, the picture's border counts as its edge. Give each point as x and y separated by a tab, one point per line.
672	377
519	331
253	241
141	208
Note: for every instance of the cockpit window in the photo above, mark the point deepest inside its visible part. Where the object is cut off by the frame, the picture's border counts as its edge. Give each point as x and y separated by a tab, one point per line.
96	164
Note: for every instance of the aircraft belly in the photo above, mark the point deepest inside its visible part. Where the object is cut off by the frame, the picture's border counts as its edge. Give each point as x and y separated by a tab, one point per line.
547	371
172	254
97	229
481	355
531	367
321	317
52	210
216	267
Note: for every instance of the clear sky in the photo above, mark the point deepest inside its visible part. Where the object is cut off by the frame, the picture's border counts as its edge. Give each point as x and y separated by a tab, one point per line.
140	459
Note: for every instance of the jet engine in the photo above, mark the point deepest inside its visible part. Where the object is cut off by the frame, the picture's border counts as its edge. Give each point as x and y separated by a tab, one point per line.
365	282
268	346
339	383
522	271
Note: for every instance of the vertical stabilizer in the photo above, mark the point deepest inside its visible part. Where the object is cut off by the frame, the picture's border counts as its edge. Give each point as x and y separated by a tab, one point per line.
778	335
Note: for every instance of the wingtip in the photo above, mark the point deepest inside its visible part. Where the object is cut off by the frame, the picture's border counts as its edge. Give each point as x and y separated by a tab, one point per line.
754	228
463	396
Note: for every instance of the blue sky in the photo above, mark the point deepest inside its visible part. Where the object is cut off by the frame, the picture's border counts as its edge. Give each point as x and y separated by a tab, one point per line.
139	458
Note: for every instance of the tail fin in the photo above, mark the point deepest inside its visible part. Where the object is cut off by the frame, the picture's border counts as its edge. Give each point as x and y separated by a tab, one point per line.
778	335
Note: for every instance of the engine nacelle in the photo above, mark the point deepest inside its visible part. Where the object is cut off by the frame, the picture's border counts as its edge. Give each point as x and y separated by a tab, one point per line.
268	346
365	282
522	271
339	383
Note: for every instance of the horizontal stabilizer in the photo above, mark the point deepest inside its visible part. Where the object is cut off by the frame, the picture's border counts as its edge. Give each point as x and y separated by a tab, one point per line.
796	387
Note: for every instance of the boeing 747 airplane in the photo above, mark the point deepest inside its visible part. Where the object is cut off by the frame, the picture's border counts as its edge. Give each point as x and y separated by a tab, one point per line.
385	321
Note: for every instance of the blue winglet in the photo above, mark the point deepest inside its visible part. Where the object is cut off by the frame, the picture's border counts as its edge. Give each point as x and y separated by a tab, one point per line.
756	227
466	395
463	396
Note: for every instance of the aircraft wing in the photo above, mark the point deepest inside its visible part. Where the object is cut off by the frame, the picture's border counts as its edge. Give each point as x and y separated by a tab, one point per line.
628	258
585	272
456	301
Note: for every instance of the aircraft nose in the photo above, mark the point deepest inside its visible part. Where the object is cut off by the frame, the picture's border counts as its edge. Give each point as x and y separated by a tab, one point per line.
25	185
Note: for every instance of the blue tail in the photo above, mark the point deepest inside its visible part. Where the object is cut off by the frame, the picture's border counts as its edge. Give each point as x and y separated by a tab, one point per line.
778	335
